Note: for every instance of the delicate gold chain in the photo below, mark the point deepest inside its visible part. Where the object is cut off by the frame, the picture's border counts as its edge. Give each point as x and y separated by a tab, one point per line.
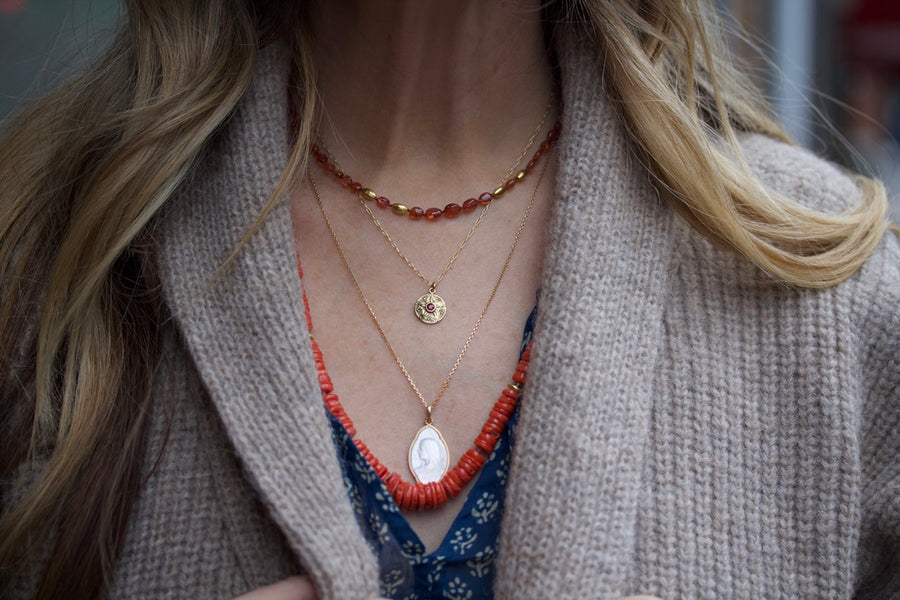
432	285
430	407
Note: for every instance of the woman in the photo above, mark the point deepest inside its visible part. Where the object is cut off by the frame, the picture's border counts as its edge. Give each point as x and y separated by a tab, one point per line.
711	399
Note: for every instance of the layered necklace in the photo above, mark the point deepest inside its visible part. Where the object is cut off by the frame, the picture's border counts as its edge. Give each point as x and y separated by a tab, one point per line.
428	455
431	308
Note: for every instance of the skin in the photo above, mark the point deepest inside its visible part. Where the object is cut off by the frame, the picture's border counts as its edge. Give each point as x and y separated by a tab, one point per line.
427	103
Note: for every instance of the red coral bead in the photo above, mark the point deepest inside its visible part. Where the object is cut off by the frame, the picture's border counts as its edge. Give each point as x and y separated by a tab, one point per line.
461	474
476	456
468	465
429	495
485	442
400	495
392	481
412	497
452	483
440	494
493	425
501	414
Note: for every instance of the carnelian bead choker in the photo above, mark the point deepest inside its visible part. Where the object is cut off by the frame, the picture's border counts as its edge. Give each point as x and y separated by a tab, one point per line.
450	211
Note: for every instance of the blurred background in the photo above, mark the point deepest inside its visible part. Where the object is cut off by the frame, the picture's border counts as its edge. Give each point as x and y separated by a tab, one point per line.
830	67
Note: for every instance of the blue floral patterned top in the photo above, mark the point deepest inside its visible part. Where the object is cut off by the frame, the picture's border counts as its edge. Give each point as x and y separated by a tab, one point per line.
462	567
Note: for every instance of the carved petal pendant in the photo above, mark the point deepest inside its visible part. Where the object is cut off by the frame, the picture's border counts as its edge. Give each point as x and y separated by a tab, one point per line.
430	308
429	456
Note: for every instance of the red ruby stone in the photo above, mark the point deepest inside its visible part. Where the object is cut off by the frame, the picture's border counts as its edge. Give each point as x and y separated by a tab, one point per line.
433	213
452	210
430	307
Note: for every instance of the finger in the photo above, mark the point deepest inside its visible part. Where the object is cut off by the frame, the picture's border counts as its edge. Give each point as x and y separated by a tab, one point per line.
292	588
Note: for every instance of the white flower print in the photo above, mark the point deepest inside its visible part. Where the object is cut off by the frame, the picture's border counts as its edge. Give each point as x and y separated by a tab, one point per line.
503	470
387	503
485	508
457	590
413	551
437	570
361	465
463	540
391	581
481	564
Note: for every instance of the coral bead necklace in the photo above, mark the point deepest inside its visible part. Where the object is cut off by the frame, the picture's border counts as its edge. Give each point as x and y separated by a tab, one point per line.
428	454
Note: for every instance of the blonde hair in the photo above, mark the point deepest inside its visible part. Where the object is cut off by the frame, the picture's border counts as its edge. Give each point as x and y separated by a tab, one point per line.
84	171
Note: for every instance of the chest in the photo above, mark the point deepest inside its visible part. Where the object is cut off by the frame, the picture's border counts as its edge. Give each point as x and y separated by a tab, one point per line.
388	367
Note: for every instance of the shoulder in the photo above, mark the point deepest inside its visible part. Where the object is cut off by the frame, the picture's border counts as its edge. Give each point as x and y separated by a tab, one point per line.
800	175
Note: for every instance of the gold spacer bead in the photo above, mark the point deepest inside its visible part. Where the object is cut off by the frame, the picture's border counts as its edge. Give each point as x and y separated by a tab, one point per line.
368	194
521	174
499	191
515	387
400	209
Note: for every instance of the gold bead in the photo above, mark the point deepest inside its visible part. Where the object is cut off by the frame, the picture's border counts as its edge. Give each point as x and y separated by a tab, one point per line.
400	209
515	387
368	194
521	175
499	191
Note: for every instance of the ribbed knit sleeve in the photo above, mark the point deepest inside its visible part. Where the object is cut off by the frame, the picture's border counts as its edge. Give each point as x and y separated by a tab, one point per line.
878	570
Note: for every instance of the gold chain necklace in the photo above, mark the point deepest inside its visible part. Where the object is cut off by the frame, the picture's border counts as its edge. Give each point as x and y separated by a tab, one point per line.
430	308
428	430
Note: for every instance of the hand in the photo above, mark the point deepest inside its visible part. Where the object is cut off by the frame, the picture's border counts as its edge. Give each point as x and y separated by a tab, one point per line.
292	588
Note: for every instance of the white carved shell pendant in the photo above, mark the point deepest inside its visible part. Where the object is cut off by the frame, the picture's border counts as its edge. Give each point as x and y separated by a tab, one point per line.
429	456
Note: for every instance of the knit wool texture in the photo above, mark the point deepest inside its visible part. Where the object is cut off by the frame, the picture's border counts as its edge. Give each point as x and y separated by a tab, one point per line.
689	430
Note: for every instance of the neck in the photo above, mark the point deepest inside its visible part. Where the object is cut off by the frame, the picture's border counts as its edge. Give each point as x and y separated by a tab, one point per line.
406	81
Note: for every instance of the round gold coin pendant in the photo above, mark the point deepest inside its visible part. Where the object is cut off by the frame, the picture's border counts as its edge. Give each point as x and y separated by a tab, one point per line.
430	308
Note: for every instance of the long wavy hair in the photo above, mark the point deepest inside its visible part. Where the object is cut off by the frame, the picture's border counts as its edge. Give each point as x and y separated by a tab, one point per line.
84	171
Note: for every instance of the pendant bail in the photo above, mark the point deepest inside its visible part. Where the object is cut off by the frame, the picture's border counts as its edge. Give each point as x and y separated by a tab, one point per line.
428	419
431	288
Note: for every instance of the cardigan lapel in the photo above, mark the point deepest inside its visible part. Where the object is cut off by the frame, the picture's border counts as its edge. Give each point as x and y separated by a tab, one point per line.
246	332
576	467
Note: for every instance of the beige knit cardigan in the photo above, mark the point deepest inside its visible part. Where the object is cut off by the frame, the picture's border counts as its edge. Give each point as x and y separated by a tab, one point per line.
687	431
